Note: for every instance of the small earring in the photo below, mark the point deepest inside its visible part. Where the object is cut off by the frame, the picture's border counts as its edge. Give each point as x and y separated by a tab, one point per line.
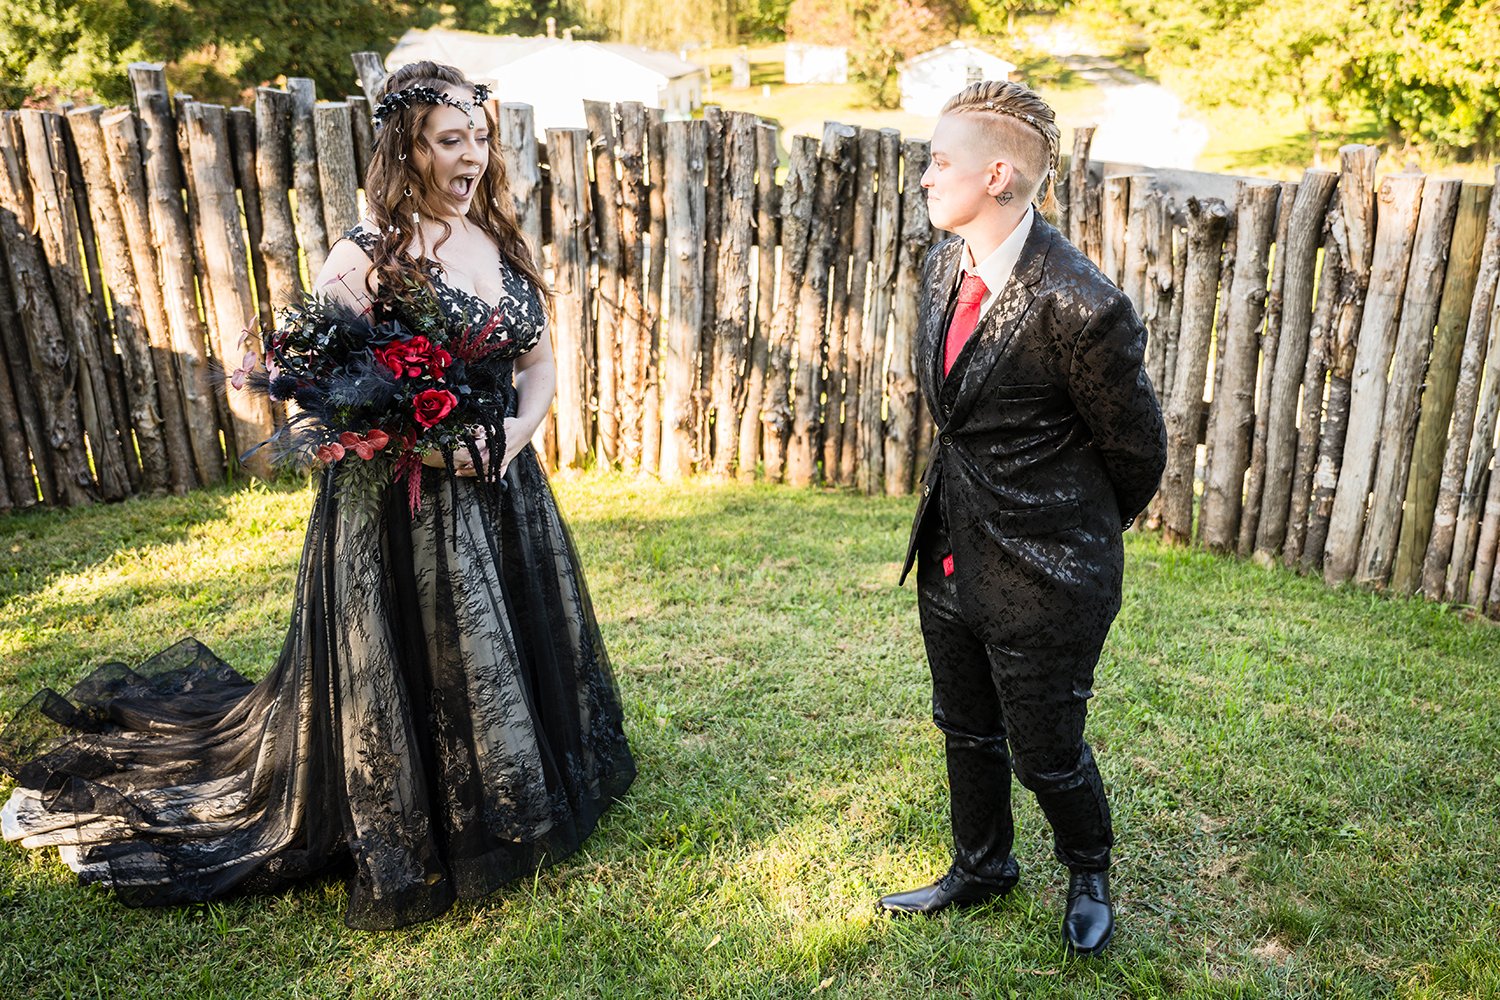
408	190
401	156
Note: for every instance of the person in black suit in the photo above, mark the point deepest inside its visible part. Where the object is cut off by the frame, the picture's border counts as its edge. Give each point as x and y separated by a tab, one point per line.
1050	441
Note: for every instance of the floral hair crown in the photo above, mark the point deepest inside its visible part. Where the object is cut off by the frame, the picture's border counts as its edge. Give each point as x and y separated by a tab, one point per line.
400	100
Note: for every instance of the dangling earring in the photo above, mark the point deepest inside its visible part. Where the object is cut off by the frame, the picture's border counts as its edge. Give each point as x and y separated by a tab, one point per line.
408	191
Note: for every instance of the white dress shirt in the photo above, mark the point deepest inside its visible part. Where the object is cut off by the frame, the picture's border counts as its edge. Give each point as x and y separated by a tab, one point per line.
995	270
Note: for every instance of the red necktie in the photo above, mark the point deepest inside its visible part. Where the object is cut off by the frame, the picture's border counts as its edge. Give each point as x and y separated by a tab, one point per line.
965	318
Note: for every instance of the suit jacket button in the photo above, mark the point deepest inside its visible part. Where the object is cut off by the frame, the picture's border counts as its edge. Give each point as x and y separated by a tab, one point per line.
947	439
926	490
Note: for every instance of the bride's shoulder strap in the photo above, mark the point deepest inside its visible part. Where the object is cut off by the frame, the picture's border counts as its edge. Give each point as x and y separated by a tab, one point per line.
364	239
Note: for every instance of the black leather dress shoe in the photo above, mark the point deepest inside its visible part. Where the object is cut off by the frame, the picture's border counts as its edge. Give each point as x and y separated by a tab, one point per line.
957	888
1090	920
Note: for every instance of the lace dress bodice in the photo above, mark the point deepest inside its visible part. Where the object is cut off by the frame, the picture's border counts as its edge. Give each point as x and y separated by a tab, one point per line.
523	314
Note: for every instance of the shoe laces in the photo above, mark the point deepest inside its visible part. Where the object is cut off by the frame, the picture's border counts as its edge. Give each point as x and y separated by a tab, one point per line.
951	878
1089	884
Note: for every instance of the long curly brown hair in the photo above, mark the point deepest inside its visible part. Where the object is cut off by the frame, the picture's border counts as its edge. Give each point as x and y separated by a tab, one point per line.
400	182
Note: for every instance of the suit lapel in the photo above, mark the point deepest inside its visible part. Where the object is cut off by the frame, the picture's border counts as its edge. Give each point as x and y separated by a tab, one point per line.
939	302
993	337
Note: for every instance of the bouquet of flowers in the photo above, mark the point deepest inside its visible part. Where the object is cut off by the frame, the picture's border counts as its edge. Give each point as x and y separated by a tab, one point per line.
375	397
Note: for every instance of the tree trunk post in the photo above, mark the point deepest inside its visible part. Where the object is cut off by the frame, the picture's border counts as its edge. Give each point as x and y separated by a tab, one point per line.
1442	382
767	236
129	320
1207	224
603	141
57	224
121	132
685	163
1082	215
224	253
1314	381
47	349
656	160
807	427
1356	235
901	381
273	169
1298	253
1234	398
1400	203
885	256
19	419
716	123
634	222
860	384
1113	222
1413	347
797	198
371	72
567	153
732	333
1270	347
338	178
312	229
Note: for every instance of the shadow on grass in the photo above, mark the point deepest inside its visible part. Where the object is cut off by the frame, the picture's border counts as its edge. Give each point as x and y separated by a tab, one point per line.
39	546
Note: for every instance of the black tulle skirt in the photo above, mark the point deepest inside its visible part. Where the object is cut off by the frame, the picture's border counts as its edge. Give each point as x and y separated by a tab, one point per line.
441	720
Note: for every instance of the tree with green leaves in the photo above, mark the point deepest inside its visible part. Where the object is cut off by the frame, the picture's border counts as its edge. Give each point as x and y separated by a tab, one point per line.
880	35
1424	72
79	49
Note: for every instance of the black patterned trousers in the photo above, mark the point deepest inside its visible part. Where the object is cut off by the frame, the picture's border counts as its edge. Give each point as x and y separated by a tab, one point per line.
1000	706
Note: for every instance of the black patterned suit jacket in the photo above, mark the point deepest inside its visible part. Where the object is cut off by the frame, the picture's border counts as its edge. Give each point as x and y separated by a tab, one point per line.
1050	440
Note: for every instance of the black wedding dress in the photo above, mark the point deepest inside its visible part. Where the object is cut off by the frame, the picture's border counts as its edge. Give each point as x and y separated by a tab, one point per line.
441	719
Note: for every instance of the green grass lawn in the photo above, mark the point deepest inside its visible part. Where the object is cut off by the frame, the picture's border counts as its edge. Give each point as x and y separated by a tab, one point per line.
1304	780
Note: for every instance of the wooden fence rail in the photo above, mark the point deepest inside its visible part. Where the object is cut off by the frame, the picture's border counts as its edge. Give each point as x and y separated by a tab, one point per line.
1327	351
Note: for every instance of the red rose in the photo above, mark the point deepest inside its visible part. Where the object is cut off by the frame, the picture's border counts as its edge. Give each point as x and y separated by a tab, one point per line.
432	405
414	358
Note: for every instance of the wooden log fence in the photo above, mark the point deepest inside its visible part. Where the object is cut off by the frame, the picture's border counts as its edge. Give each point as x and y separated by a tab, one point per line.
737	302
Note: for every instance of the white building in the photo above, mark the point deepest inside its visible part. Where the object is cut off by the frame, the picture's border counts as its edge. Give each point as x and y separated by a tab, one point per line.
816	63
556	75
928	80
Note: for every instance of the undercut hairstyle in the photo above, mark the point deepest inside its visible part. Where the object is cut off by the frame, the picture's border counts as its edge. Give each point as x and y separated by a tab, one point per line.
1022	128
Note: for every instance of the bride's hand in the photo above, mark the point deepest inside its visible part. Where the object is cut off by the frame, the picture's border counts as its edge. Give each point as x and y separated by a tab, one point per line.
516	438
463	460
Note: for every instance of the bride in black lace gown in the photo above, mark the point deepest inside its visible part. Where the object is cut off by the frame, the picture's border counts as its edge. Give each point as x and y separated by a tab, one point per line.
441	719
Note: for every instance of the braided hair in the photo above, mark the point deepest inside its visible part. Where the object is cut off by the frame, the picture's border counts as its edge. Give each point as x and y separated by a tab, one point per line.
1026	126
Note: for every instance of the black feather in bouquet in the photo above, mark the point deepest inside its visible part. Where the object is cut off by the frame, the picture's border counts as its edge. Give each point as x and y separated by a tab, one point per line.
374	397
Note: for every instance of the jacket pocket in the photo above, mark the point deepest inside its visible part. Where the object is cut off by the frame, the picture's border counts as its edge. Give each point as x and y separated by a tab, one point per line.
1028	521
1019	393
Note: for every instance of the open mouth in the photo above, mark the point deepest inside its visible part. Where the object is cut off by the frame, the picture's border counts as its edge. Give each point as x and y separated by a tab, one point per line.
463	187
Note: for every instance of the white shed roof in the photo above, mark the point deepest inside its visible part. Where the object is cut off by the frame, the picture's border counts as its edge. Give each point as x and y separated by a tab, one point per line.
478	55
969	53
